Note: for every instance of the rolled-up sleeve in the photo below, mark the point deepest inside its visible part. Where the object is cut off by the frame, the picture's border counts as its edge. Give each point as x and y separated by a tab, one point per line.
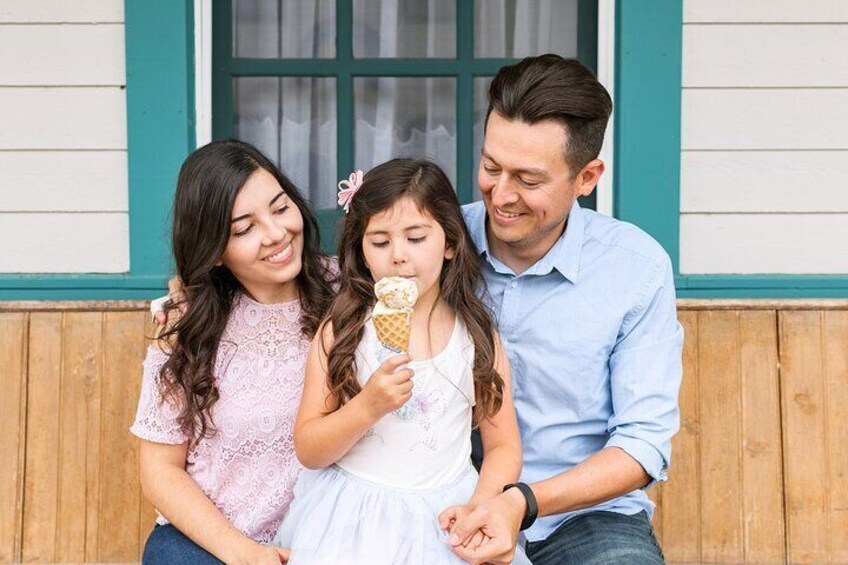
645	373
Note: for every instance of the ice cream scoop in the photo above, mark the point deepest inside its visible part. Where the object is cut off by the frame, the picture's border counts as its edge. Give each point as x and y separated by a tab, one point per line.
396	292
392	314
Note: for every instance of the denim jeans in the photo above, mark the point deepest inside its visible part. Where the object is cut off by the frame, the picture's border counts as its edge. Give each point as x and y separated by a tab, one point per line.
599	538
166	545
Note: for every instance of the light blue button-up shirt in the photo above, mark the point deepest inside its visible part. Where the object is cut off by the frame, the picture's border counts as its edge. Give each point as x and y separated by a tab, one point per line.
594	344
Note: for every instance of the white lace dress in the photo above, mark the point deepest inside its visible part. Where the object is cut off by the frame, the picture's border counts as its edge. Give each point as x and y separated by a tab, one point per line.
248	468
379	504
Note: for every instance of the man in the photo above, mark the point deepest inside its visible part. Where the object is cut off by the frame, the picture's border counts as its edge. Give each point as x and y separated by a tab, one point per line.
586	308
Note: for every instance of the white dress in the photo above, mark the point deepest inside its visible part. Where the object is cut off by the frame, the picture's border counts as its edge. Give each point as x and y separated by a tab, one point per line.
379	504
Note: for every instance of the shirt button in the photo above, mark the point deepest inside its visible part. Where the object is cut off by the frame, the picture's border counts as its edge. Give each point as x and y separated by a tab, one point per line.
513	284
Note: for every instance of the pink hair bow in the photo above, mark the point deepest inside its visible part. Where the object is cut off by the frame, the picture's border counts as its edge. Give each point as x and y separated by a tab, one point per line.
347	188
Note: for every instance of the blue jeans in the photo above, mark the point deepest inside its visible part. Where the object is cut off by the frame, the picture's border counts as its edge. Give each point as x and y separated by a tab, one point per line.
599	538
166	545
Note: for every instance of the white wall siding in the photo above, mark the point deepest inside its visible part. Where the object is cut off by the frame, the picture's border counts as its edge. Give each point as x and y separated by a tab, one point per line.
764	181
778	55
786	118
61	11
64	243
62	55
68	181
764	164
765	11
63	118
63	140
764	243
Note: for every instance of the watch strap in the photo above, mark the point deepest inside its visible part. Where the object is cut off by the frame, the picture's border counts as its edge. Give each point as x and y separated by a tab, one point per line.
532	511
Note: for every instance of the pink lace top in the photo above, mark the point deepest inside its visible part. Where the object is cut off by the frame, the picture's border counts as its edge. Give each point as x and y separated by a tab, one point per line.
248	468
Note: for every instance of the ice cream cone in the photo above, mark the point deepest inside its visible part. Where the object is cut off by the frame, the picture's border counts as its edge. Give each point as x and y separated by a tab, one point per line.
393	329
392	314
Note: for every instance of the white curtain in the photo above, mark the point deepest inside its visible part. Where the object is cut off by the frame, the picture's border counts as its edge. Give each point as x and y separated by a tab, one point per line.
290	119
293	120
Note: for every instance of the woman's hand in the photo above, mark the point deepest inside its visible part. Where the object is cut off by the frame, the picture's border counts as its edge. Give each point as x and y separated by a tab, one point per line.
390	387
157	307
258	554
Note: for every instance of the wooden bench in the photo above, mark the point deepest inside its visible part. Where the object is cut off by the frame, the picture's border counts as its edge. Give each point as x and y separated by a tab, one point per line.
760	471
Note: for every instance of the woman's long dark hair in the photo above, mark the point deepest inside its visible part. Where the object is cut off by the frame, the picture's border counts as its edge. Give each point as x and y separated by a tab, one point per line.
209	181
461	278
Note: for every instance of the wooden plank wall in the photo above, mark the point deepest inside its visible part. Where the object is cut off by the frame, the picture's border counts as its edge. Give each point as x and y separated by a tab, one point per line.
760	471
69	490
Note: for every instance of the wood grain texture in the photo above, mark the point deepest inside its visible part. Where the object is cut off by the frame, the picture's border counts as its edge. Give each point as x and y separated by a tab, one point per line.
79	422
682	494
120	496
804	431
836	422
41	480
721	458
762	473
13	356
754	432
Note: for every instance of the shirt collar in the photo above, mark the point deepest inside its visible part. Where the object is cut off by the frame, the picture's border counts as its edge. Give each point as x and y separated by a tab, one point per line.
564	256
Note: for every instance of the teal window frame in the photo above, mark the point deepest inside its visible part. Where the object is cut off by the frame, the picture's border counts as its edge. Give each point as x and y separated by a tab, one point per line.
345	67
160	133
647	141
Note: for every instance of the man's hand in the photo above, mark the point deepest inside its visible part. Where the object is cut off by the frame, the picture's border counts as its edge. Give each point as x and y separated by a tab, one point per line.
498	519
452	514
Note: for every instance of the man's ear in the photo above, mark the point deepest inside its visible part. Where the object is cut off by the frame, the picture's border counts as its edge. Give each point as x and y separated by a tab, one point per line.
588	177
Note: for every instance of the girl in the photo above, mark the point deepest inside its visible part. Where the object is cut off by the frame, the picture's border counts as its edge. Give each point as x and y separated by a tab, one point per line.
388	437
219	395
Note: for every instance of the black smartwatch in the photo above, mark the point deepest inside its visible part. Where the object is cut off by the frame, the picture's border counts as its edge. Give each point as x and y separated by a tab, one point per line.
532	507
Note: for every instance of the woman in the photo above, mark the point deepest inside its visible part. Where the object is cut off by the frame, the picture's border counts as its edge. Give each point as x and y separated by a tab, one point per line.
221	388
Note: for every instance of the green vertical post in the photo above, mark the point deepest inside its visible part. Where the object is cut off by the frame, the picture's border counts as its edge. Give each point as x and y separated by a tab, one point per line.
160	121
647	118
464	100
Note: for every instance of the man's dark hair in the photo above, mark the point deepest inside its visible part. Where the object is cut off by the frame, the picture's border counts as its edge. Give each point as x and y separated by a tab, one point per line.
549	87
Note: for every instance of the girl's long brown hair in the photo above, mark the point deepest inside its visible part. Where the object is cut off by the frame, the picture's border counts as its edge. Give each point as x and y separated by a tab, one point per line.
209	181
461	279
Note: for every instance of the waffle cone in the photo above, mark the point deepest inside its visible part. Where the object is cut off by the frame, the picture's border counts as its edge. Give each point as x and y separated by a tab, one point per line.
393	330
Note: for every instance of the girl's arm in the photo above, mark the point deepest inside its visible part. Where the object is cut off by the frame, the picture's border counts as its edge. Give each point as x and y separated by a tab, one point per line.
179	499
323	432
501	440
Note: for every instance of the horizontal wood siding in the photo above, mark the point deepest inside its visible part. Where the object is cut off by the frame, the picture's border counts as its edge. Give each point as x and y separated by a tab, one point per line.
63	142
62	11
61	242
757	243
764	122
62	55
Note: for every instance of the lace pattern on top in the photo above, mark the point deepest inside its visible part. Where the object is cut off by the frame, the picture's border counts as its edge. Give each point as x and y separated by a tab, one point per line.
248	467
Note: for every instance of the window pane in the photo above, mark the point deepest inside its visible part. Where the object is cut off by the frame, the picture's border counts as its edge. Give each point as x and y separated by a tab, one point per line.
405	117
284	29
404	28
522	28
481	104
292	120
